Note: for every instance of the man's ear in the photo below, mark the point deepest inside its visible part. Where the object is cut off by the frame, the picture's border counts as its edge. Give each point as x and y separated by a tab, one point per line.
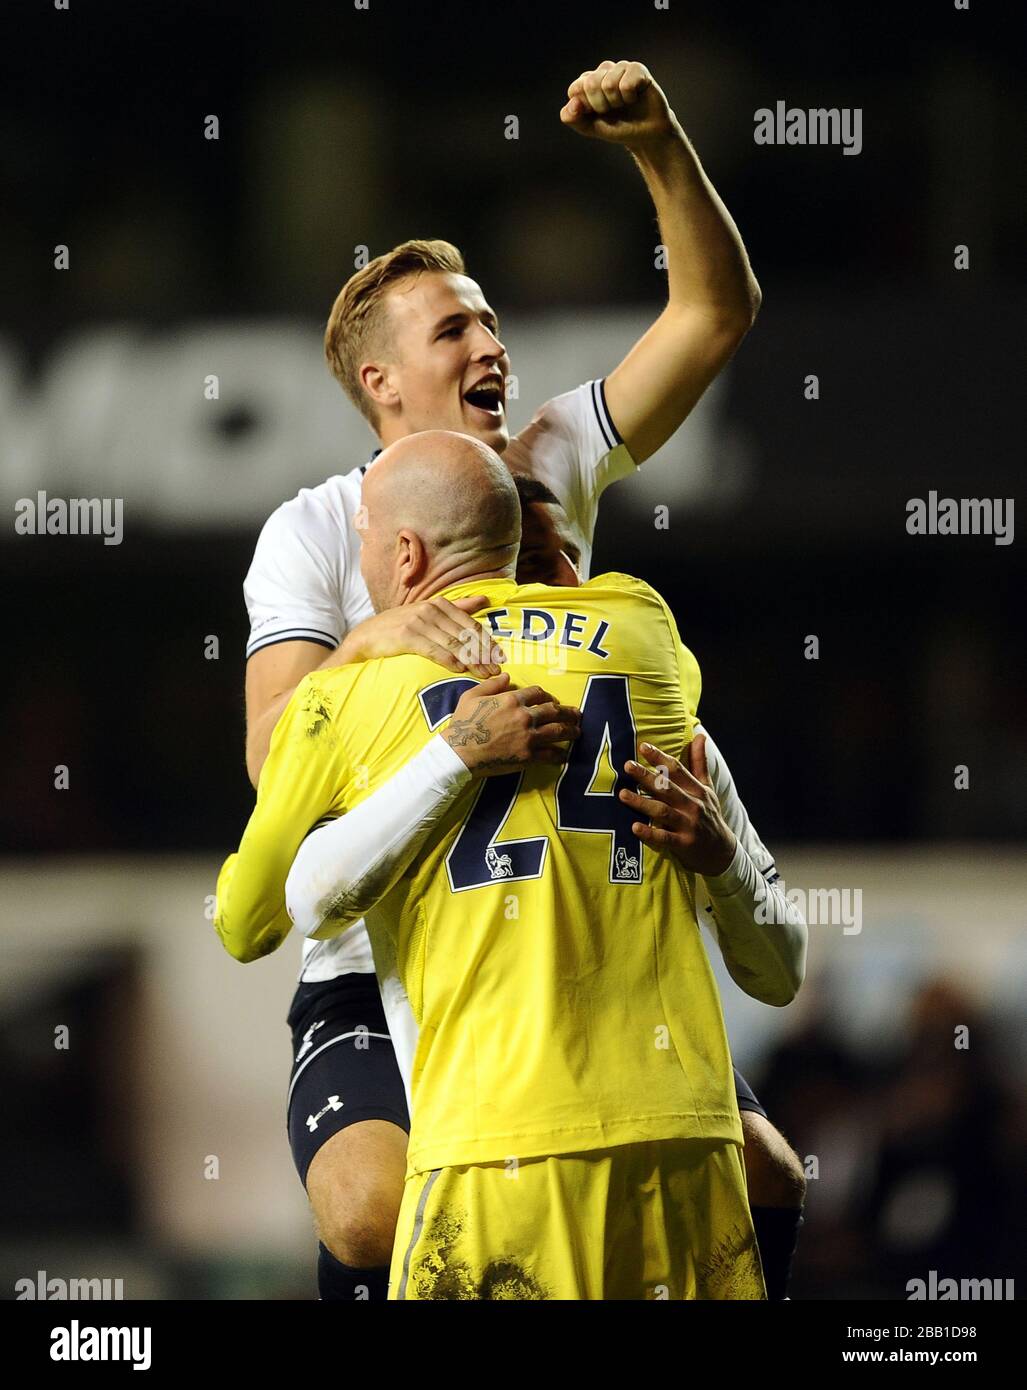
411	558
567	574
375	379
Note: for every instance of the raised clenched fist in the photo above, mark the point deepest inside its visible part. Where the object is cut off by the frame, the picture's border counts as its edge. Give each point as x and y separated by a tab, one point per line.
620	102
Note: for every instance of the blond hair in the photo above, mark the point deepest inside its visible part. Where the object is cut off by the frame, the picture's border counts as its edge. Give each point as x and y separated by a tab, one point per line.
357	321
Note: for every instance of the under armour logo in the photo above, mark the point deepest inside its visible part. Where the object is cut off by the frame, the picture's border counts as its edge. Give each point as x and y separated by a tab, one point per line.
625	864
334	1103
308	1039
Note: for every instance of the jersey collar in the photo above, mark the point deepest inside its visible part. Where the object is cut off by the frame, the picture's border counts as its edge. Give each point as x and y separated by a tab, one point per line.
490	587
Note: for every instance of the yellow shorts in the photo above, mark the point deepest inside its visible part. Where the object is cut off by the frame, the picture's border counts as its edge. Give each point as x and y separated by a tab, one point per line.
666	1219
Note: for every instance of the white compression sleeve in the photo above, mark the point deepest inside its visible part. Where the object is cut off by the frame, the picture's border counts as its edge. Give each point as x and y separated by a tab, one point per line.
342	869
761	935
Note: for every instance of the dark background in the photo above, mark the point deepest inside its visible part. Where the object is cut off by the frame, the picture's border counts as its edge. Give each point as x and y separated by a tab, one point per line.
341	127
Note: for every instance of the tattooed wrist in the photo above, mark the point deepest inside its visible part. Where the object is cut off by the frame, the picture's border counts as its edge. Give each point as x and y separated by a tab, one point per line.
493	763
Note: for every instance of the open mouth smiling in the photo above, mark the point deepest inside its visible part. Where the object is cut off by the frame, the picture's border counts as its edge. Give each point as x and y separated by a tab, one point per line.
487	395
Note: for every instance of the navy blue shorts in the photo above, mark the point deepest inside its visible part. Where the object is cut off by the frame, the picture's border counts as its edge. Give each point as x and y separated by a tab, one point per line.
344	1068
746	1097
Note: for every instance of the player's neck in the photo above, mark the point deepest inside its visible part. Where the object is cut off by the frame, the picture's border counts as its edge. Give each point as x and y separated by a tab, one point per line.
392	431
456	574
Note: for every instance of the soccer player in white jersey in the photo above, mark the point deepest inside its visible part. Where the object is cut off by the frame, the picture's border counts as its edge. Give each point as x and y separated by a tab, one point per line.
415	344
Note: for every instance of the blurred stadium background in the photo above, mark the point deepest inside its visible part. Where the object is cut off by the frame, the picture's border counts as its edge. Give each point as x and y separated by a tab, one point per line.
340	129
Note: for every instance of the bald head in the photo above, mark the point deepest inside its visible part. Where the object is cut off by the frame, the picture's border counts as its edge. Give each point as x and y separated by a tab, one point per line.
438	508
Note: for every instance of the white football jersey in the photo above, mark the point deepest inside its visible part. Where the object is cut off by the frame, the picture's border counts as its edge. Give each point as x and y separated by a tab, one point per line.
304	583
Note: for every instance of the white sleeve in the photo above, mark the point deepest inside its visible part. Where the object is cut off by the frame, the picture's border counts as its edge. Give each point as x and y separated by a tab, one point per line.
401	1022
343	868
762	936
293	587
573	446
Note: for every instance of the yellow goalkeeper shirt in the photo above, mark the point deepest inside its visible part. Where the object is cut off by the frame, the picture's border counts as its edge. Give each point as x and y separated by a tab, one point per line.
554	966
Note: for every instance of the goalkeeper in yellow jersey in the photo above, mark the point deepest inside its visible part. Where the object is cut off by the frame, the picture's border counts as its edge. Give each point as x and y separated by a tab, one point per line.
574	1128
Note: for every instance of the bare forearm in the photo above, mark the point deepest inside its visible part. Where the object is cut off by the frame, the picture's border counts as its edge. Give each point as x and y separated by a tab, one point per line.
713	294
707	265
260	729
258	735
443	632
